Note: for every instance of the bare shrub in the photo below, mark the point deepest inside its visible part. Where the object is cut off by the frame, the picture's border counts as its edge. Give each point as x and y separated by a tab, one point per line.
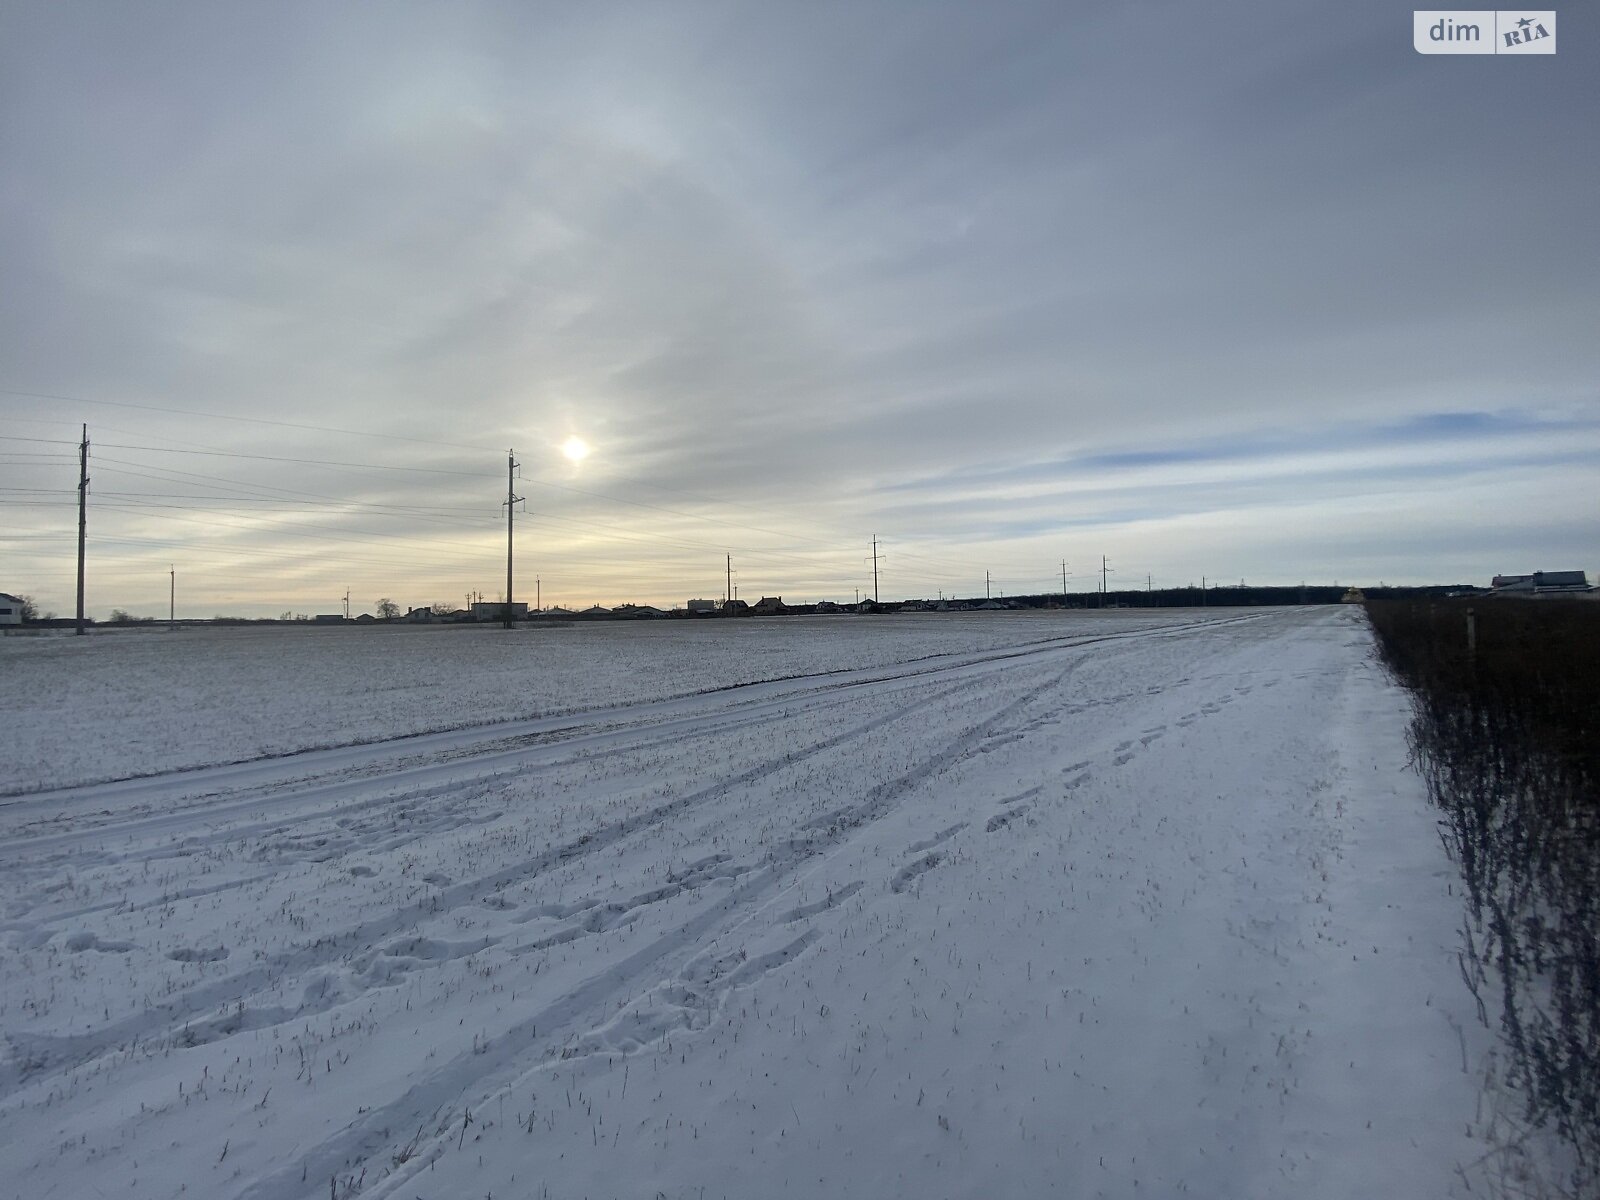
1507	736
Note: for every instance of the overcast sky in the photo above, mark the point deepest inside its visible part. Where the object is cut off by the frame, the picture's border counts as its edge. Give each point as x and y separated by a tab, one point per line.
1243	291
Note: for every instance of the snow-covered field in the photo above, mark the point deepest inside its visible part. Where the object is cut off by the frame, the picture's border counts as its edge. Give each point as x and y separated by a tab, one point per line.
1034	905
135	701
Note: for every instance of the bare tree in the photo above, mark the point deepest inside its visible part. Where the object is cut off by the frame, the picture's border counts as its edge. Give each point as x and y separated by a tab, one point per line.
388	610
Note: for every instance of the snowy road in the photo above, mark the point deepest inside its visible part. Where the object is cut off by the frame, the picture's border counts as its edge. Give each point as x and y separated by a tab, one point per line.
1143	911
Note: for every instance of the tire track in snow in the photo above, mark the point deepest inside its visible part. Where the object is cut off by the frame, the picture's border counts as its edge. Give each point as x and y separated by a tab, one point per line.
566	1021
762	882
485	744
33	1055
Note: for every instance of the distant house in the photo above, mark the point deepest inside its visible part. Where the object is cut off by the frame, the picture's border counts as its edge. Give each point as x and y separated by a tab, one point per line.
419	616
495	610
555	610
1541	583
595	610
638	610
10	609
738	607
702	606
769	605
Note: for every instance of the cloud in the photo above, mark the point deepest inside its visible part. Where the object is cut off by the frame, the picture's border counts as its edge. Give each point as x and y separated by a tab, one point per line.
994	282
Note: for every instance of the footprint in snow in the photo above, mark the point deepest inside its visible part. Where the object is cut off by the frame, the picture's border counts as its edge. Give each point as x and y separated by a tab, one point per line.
1001	819
819	906
79	942
189	954
907	875
944	835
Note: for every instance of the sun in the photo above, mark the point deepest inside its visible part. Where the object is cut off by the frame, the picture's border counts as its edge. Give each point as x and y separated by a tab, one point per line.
575	448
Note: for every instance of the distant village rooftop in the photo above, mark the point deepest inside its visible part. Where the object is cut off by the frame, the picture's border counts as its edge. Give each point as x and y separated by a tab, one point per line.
1542	582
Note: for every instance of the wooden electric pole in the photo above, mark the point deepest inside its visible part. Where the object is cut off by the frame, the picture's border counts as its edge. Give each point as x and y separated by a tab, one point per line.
511	508
83	514
875	568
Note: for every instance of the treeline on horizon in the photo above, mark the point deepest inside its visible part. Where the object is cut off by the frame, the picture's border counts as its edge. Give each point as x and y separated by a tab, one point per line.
1231	596
1506	733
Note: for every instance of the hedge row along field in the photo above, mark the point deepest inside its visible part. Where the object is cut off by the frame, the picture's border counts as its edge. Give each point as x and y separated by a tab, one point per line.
1507	736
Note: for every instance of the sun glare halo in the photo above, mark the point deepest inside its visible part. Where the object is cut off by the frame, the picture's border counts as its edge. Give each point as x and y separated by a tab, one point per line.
575	448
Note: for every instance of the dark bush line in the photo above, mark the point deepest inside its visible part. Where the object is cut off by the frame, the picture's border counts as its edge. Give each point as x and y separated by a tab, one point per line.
1508	740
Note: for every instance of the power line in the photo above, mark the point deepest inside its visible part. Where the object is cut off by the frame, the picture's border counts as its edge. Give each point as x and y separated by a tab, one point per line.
401	509
143	510
189	412
436	515
314	462
309	462
172	475
274	555
306	426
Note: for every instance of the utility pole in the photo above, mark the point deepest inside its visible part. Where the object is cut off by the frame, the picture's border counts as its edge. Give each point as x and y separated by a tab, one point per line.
172	597
986	585
1063	581
858	596
347	603
1103	572
538	594
83	515
511	508
1148	602
874	568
